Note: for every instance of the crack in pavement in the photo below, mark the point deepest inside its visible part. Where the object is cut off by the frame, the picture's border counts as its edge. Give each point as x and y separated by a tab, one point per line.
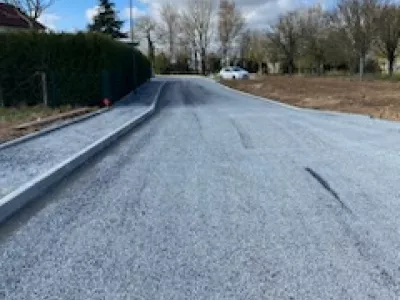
327	187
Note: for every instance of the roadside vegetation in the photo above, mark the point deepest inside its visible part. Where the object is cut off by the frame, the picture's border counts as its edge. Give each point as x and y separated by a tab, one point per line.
11	118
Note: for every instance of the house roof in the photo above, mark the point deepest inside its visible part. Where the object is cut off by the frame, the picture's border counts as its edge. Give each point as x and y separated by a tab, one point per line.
11	16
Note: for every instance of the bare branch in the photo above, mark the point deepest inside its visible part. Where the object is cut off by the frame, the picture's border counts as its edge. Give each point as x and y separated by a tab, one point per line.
230	23
169	27
200	12
32	8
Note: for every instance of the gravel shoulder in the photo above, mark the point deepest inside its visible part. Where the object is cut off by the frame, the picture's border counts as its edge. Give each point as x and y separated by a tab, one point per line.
24	161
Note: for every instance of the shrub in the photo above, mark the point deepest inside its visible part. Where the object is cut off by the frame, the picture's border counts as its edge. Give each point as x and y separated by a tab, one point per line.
81	68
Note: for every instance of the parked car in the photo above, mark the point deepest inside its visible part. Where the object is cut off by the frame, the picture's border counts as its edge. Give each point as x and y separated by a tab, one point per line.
234	73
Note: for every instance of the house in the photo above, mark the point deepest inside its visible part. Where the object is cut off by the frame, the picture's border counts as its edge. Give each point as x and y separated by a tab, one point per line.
12	19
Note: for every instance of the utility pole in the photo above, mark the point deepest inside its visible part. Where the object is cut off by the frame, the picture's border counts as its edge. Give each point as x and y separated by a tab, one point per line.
133	43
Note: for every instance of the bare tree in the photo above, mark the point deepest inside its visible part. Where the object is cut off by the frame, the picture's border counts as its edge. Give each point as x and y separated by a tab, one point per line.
315	27
388	31
200	11
244	46
285	37
357	19
32	8
230	23
146	27
258	48
169	27
189	37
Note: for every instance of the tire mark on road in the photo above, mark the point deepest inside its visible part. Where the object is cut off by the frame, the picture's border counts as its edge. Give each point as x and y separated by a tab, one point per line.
245	138
327	187
381	273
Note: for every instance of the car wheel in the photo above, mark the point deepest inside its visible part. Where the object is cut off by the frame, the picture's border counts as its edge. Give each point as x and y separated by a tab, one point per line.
233	77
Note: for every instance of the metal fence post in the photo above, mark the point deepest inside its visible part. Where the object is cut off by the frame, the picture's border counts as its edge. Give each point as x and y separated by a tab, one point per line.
45	93
53	88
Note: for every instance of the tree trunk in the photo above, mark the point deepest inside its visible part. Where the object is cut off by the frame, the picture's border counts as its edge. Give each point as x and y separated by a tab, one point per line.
203	60
196	61
391	59
171	48
150	50
291	67
362	63
260	67
225	57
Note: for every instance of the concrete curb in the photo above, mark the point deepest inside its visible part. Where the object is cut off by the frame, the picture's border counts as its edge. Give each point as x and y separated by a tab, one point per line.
51	129
12	202
67	123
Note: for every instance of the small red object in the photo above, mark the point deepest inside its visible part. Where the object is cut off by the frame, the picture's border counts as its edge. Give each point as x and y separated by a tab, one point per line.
107	102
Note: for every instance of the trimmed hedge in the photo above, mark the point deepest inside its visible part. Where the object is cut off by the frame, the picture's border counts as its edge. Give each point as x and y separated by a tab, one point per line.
81	69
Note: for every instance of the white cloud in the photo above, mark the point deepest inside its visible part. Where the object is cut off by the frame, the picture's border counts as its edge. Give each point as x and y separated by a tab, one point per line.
49	20
258	13
136	12
91	12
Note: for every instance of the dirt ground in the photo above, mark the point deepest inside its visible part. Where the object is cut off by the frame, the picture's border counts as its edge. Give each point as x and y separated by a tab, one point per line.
11	117
379	99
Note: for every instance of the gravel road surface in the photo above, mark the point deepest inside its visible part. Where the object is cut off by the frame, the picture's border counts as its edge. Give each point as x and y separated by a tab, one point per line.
219	196
23	162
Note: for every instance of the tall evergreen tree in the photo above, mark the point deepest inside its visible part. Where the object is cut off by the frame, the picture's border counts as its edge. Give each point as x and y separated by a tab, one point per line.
106	21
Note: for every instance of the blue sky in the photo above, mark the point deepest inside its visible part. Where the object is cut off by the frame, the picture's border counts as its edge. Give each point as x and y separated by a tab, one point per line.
64	15
69	17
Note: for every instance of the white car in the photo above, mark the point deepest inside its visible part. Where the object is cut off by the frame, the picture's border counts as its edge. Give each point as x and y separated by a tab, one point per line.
233	73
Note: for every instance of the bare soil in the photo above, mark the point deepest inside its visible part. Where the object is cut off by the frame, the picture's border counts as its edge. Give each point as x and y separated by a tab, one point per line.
379	99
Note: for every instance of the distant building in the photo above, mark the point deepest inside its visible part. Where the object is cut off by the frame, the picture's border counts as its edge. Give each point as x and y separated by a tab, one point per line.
12	19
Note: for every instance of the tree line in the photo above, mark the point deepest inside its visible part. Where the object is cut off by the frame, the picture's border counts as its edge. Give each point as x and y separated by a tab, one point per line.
349	36
202	35
187	35
345	36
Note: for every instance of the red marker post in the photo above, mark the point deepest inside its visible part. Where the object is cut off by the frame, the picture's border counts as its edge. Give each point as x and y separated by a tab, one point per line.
106	102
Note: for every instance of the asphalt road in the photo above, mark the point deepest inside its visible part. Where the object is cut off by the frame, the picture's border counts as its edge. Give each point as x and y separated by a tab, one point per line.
219	196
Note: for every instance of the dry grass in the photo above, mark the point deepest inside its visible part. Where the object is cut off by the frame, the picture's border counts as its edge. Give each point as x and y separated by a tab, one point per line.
380	99
10	117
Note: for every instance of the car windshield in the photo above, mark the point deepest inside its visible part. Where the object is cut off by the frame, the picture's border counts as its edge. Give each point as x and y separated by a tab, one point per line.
236	69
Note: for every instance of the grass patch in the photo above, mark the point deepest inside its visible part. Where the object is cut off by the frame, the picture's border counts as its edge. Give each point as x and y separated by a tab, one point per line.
10	117
22	114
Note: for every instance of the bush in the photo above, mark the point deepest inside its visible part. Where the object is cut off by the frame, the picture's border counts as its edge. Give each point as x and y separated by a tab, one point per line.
81	69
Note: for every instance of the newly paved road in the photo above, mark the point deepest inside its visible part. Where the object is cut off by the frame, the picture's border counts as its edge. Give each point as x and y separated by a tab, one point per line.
219	196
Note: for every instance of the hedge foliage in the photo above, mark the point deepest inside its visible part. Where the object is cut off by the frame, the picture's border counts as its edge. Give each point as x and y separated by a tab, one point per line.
81	69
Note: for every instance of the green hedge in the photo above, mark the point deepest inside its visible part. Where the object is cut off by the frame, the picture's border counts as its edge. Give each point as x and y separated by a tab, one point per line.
81	69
